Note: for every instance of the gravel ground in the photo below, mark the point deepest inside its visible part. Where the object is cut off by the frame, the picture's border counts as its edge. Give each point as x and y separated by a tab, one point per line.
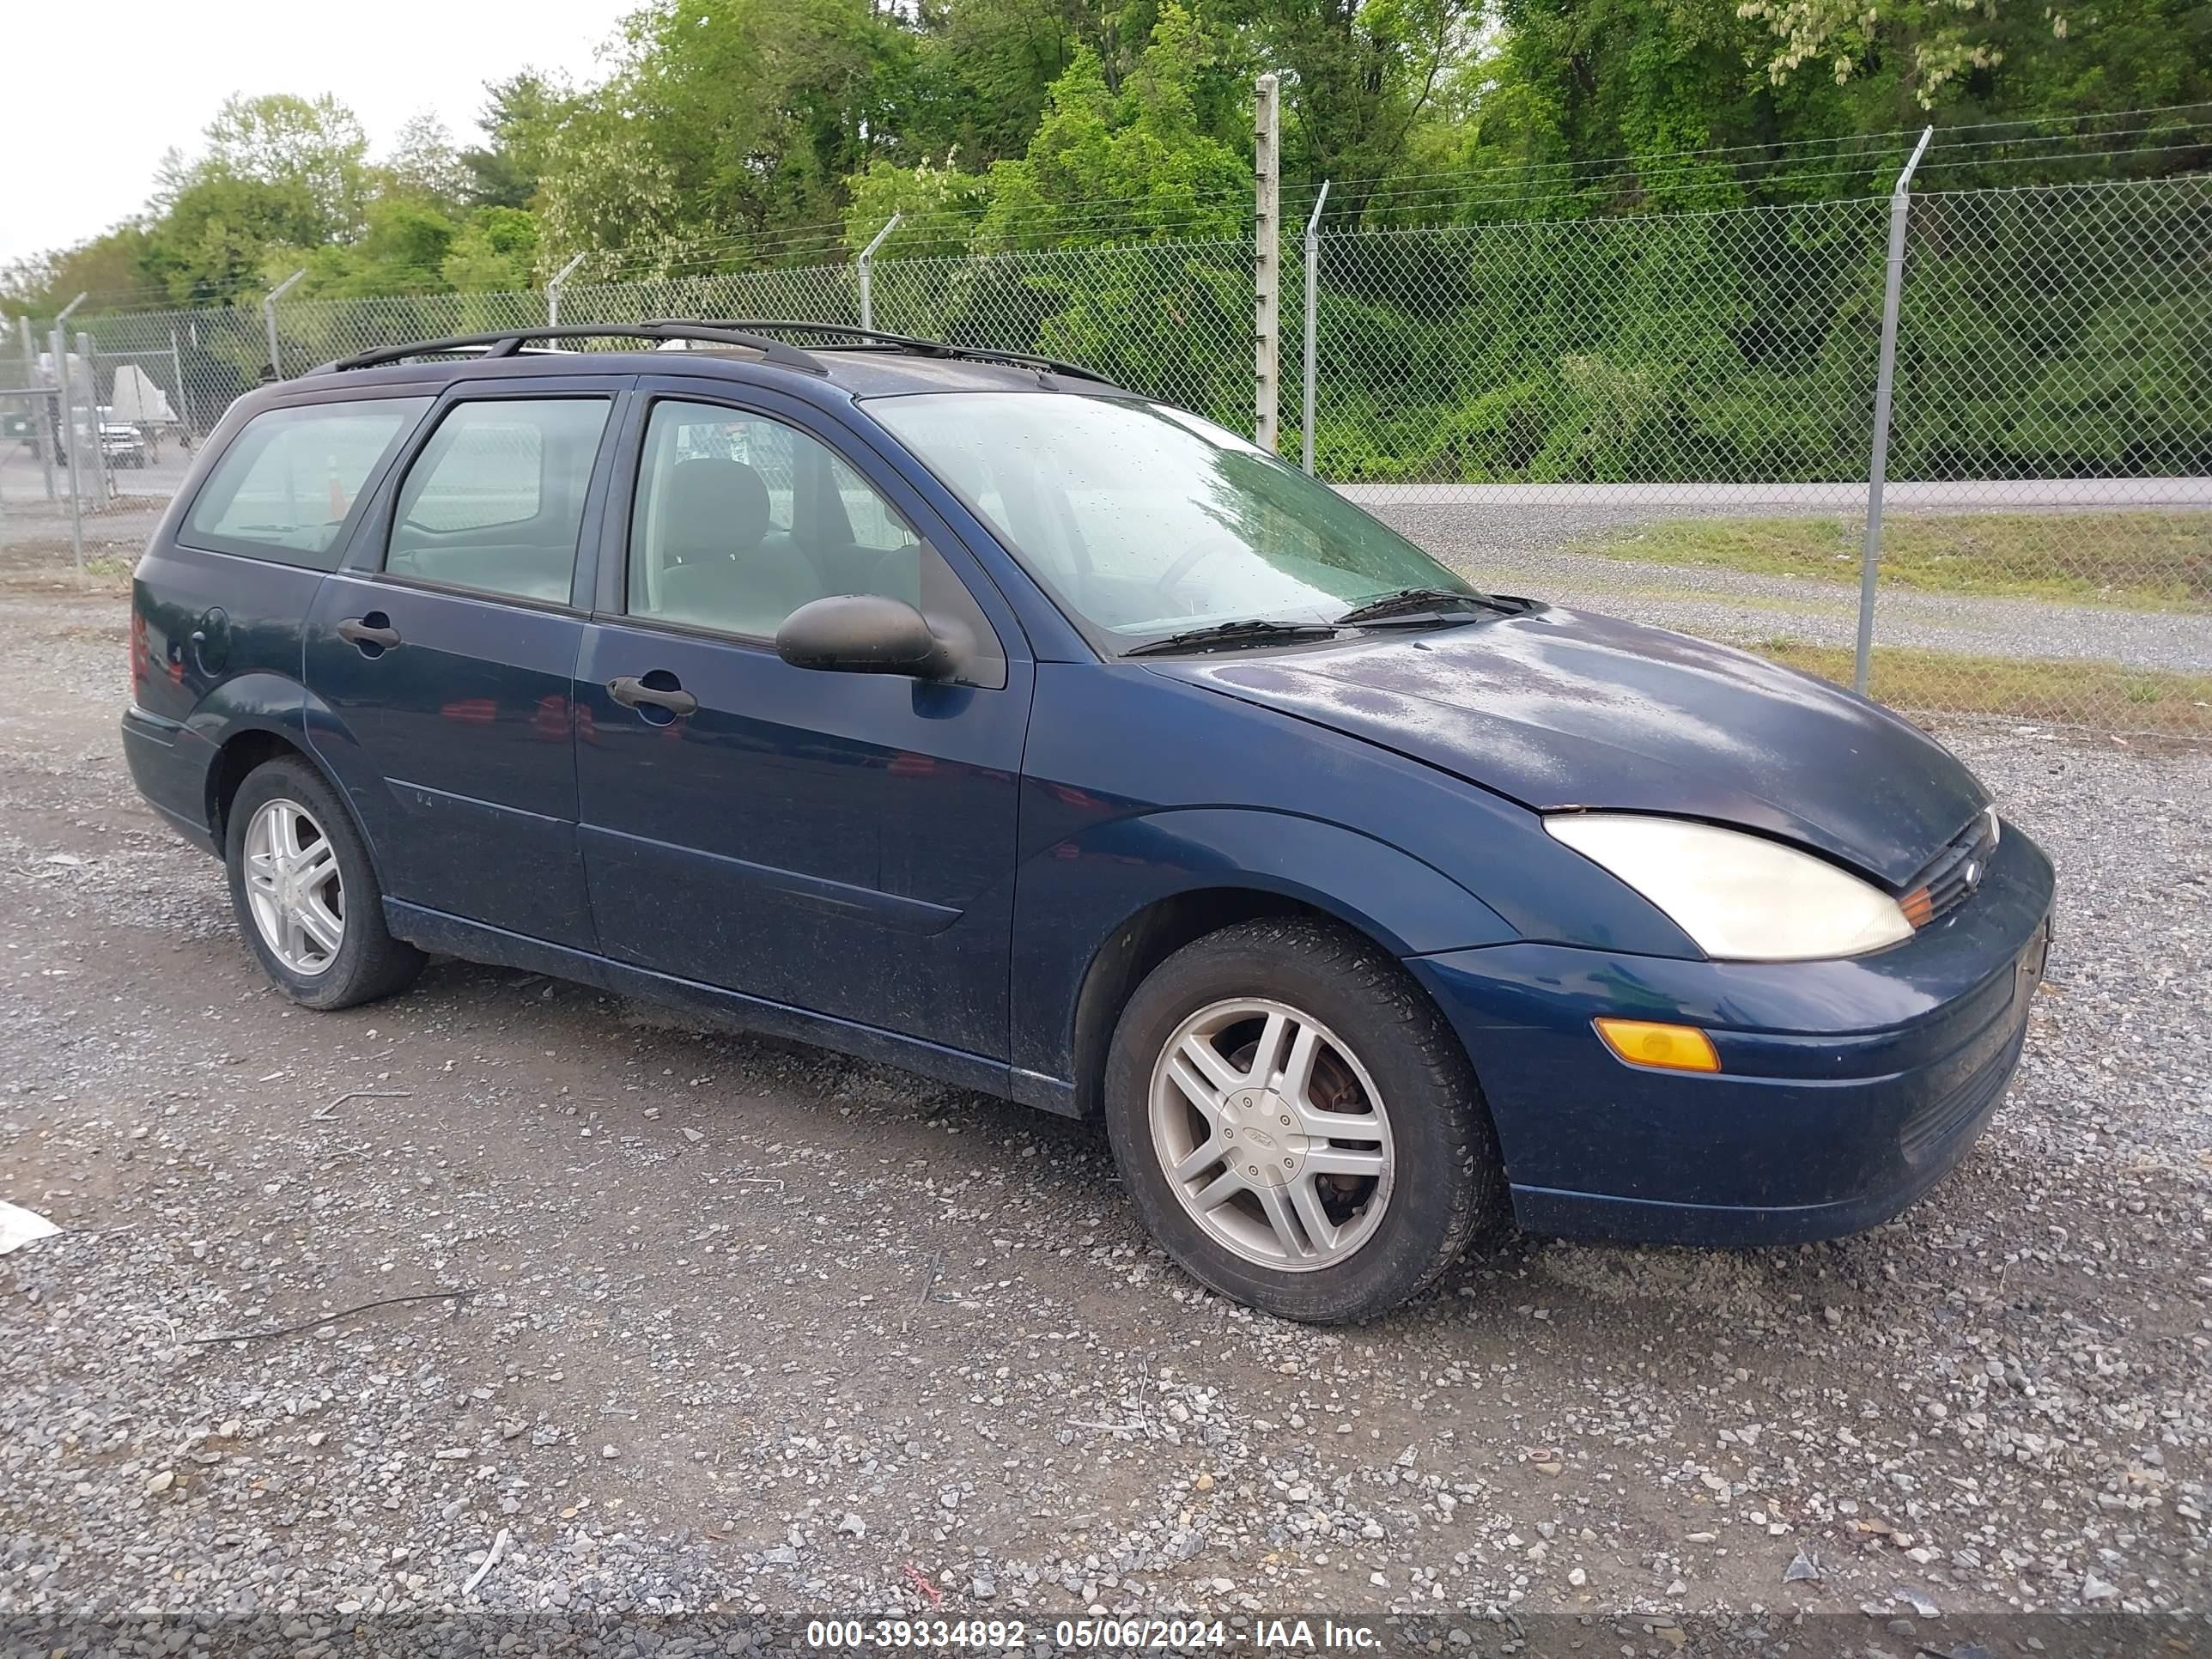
752	1328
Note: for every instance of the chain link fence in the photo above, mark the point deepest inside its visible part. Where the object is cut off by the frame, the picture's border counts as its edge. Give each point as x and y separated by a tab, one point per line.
1670	416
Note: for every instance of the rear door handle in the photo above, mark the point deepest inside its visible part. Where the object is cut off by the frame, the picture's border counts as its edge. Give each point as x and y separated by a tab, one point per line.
358	631
631	692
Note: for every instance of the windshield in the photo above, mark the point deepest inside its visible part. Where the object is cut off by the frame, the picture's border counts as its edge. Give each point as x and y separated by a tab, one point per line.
1146	521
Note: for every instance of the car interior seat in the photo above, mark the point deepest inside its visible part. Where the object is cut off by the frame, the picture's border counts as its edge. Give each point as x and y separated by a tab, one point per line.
713	570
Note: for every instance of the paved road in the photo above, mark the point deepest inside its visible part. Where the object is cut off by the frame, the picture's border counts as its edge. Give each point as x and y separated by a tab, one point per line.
1533	551
1794	500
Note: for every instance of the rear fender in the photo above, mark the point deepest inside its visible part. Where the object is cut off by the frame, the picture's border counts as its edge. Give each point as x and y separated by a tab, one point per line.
285	709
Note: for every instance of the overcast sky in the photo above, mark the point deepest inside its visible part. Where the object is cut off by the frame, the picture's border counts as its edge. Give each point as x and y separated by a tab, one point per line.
82	144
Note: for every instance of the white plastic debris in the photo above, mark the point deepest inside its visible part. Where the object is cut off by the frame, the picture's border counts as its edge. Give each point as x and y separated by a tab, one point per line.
492	1560
20	1226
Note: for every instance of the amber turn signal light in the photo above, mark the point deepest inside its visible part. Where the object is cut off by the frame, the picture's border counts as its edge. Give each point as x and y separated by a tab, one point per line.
1670	1047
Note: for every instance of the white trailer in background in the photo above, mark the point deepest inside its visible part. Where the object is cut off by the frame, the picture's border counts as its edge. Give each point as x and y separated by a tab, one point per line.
136	400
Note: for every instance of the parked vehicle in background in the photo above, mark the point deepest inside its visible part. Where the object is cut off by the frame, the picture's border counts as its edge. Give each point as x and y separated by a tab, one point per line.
122	443
961	710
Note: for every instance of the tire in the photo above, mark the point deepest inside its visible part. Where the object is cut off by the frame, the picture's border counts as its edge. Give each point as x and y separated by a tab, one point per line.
1384	1062
368	963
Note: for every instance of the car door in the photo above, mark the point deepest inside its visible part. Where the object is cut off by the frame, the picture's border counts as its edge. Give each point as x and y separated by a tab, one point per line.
838	843
444	648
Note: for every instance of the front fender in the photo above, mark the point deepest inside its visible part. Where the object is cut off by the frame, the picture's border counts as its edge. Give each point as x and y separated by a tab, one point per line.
1074	897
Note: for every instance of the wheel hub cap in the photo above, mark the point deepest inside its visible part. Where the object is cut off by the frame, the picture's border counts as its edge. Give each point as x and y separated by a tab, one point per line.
1272	1134
1261	1129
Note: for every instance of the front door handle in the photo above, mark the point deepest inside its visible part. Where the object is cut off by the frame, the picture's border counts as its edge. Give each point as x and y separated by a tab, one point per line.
631	693
359	630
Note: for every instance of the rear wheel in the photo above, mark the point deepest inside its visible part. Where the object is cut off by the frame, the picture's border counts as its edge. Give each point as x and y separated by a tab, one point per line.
306	895
1300	1129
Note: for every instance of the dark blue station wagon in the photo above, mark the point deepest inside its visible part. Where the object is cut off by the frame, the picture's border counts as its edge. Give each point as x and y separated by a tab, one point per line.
959	710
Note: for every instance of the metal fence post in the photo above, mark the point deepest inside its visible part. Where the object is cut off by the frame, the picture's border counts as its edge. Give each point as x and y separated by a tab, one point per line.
1900	205
866	267
553	291
103	468
1266	257
177	368
269	317
69	434
41	409
1312	312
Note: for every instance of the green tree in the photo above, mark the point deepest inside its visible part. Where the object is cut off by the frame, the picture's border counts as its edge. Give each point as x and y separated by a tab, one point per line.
1359	76
404	250
495	250
277	172
424	165
1106	168
728	116
1898	62
520	117
111	264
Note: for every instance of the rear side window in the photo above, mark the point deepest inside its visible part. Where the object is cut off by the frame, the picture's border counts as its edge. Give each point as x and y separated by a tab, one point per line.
284	488
496	501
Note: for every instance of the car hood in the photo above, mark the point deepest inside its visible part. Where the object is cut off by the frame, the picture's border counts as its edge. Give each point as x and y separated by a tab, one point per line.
1559	709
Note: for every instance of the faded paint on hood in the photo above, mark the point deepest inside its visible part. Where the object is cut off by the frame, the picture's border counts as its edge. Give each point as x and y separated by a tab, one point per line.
1558	708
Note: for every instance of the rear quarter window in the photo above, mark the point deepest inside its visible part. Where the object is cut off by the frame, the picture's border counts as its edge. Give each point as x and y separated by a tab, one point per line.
285	488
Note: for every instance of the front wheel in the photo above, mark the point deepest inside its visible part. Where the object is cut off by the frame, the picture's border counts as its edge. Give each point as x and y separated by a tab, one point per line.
1299	1126
305	893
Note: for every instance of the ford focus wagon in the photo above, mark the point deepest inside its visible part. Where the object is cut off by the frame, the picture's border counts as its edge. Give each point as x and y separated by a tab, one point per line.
960	710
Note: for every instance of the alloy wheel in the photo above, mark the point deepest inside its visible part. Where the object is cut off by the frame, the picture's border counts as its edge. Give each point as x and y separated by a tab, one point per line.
293	887
1272	1133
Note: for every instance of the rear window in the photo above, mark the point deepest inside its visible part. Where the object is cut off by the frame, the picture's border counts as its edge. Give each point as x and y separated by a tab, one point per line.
285	487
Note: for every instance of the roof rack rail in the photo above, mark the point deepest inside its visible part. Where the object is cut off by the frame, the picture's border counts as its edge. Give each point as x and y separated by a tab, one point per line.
865	337
508	342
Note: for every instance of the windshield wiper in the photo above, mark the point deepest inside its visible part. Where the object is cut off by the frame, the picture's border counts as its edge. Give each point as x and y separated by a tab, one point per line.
1229	635
1421	601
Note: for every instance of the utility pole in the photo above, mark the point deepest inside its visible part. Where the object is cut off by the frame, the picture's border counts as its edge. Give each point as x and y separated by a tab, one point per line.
1266	259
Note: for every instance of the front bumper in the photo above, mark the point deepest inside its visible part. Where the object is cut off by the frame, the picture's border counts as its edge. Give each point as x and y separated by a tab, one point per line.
1846	1089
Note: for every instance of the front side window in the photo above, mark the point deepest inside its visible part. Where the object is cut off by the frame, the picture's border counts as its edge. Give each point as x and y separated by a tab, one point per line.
284	488
496	501
740	520
1144	522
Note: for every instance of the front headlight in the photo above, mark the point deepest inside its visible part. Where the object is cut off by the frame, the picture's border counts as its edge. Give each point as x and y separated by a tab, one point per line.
1741	897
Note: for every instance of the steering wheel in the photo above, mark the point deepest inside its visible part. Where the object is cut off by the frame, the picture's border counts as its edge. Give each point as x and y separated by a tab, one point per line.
1184	566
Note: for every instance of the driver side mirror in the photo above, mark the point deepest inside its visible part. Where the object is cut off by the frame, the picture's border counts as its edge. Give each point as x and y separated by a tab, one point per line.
864	634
